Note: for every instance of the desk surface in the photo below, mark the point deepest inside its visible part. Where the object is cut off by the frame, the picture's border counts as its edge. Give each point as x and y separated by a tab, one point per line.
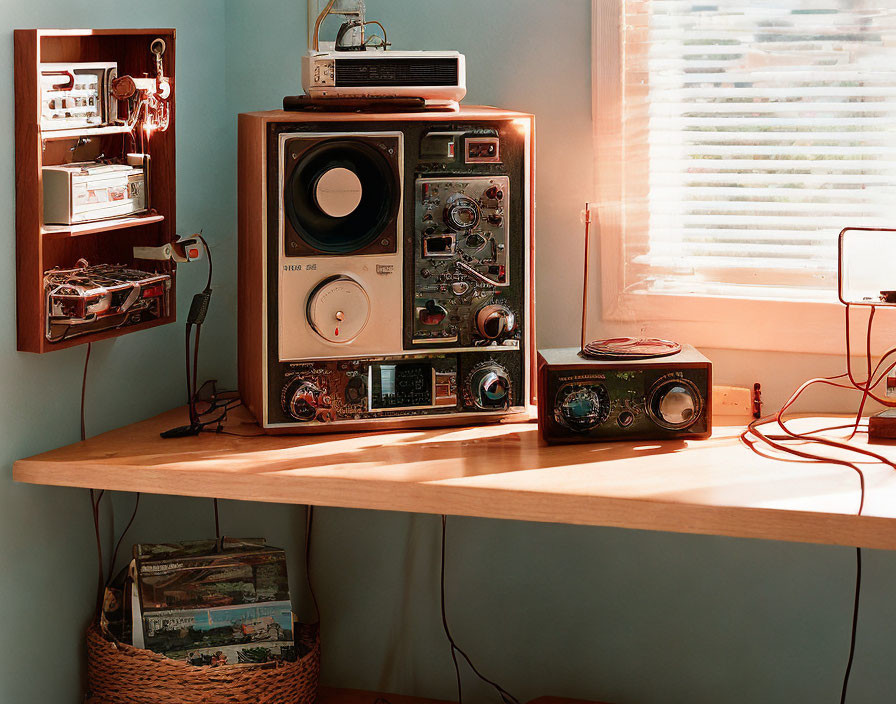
715	486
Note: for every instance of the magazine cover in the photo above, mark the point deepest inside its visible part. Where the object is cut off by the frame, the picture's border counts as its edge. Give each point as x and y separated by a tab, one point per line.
251	654
193	575
176	632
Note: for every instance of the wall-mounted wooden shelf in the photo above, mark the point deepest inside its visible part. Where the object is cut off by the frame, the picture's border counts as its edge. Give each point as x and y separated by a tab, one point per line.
86	132
41	247
716	486
90	228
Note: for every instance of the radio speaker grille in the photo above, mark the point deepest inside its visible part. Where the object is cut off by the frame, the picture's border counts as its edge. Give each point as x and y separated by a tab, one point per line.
357	73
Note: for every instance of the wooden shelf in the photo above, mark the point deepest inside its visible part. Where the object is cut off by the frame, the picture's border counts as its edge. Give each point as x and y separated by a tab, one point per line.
41	247
90	228
715	486
84	132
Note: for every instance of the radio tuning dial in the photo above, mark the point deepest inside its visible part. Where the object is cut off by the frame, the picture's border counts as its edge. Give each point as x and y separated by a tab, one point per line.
303	400
494	320
462	212
582	408
674	404
338	309
490	387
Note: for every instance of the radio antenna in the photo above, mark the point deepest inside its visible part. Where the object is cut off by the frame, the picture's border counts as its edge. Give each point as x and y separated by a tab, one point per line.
585	275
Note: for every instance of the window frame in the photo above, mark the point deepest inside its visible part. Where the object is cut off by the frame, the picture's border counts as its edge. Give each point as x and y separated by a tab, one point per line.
705	321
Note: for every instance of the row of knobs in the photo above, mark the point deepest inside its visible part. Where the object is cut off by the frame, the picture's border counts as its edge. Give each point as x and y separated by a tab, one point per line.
673	404
305	401
338	309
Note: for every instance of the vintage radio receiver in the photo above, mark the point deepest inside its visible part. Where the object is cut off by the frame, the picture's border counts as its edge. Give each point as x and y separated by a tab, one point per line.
586	399
385	268
77	95
437	76
86	191
622	388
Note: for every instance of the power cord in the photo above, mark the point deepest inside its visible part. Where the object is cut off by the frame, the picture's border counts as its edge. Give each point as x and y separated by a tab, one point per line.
506	697
875	375
855	620
218	403
309	521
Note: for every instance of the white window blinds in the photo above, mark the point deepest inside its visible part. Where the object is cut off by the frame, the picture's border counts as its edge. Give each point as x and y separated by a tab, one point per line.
753	133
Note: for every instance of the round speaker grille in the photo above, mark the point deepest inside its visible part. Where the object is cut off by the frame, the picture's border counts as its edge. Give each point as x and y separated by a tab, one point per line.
341	195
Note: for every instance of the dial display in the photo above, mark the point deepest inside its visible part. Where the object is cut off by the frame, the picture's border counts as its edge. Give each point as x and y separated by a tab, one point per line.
581	407
401	385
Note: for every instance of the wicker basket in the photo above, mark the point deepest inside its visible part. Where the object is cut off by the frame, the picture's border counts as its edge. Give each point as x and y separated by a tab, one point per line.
122	674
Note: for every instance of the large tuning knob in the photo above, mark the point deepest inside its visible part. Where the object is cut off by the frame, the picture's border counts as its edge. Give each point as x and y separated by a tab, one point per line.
304	400
338	309
495	320
581	408
674	404
490	387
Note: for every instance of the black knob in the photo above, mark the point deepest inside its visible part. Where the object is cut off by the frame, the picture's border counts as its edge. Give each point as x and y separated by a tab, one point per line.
494	193
674	404
490	387
303	399
356	390
432	313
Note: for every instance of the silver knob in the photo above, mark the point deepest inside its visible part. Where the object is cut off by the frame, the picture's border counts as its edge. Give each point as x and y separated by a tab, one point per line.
675	404
678	406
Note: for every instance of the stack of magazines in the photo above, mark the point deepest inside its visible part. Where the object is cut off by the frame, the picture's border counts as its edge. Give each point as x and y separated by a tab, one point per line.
205	603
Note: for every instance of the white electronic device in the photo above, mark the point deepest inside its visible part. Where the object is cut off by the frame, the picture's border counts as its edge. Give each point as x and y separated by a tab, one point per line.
439	77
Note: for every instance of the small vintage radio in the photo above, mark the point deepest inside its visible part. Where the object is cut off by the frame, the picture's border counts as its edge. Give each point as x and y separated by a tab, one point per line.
622	388
385	268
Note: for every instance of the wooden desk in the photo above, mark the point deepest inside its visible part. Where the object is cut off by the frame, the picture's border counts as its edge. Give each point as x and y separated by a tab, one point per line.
715	486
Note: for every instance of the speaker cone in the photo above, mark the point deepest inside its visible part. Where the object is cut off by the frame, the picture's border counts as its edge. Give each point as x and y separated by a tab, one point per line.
341	196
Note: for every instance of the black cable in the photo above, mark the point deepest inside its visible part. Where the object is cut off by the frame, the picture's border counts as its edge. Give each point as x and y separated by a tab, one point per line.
217	523
309	518
121	538
84	392
94	499
506	696
190	401
855	621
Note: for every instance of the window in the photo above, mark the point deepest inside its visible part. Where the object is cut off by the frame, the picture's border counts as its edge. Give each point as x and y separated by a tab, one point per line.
750	132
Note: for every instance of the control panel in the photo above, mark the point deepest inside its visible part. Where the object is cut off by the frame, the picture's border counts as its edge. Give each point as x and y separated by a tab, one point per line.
461	263
330	391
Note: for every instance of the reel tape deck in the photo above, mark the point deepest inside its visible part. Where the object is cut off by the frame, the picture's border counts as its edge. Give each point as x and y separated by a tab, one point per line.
385	269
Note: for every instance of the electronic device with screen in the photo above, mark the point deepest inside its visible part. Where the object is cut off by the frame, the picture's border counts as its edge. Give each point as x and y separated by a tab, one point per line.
385	268
622	388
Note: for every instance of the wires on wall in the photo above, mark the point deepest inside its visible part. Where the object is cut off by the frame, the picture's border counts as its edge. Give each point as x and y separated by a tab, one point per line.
784	441
456	650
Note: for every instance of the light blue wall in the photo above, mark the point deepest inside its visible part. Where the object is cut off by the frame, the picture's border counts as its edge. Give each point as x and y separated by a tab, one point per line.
47	553
624	616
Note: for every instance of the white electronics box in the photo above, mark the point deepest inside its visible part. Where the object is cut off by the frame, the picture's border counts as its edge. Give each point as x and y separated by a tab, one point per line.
437	76
77	95
87	191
